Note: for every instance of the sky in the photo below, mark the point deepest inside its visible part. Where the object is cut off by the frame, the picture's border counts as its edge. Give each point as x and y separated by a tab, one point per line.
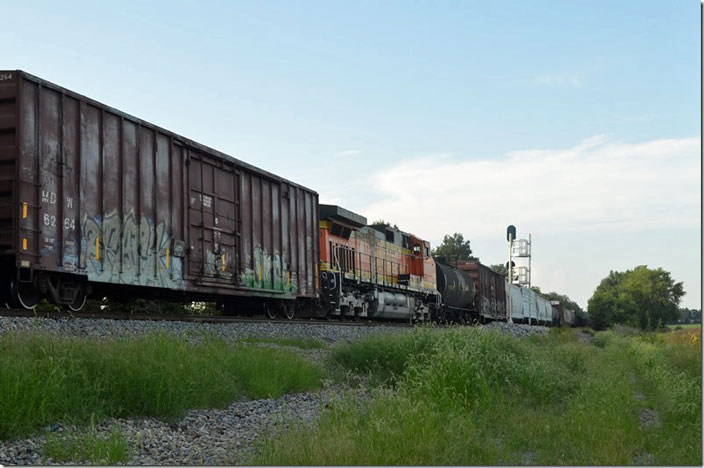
578	122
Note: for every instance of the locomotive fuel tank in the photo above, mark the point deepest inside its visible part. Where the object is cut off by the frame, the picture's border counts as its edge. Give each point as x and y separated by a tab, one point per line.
455	287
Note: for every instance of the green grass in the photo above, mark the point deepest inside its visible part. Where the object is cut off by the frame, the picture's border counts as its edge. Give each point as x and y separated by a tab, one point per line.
685	326
87	448
302	343
45	378
468	397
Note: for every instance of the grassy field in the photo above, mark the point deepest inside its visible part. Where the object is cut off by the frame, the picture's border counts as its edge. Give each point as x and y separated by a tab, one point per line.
302	343
686	326
467	397
45	378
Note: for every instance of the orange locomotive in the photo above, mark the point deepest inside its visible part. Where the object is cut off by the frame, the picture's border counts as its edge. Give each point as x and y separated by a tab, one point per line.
382	272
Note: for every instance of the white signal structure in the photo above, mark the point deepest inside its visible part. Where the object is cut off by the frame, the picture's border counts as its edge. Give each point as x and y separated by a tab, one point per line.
521	276
520	248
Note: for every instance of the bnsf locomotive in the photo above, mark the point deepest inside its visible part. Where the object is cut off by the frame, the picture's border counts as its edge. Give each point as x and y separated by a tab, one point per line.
96	202
382	272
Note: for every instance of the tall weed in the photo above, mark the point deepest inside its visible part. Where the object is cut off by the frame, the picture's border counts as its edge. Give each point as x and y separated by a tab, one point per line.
45	378
467	397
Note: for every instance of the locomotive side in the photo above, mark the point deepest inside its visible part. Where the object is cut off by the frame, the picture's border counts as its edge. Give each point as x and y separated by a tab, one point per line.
382	272
93	199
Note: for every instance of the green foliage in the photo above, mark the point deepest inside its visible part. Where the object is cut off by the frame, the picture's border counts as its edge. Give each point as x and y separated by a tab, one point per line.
383	357
642	297
454	247
500	269
689	316
45	378
381	222
302	343
90	448
471	397
562	298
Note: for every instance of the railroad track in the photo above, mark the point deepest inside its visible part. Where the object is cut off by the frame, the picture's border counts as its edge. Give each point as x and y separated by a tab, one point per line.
191	318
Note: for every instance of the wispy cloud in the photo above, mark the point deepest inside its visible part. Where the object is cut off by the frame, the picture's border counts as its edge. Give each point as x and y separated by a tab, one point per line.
560	79
639	118
599	184
574	79
347	153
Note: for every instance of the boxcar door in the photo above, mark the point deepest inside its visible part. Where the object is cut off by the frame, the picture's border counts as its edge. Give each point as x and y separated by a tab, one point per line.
212	199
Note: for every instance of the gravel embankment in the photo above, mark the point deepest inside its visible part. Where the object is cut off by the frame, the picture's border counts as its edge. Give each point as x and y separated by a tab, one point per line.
202	437
111	329
207	436
518	329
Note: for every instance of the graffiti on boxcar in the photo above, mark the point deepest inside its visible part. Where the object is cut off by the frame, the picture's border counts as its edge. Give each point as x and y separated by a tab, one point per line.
269	272
218	264
123	250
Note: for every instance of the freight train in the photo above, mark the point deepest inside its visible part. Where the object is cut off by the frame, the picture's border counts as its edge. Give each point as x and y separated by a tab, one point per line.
94	201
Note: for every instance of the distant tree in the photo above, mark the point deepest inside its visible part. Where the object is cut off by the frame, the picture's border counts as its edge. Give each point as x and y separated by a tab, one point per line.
381	222
454	247
642	297
500	269
689	316
562	298
684	316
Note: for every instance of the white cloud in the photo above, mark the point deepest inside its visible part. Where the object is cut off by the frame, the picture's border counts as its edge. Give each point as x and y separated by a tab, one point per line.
347	153
598	185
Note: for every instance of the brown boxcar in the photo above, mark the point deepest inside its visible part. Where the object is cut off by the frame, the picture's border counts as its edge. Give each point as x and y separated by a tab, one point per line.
489	290
93	198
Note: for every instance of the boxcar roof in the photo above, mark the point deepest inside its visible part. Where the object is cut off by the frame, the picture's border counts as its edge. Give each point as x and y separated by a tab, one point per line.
180	138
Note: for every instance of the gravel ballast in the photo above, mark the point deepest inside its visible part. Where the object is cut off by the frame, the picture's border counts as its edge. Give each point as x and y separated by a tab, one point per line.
204	436
111	329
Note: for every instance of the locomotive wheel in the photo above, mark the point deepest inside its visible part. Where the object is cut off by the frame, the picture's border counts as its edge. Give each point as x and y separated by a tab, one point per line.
23	295
269	311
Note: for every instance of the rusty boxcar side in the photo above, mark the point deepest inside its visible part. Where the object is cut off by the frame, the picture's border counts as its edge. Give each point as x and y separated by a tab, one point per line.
489	287
96	198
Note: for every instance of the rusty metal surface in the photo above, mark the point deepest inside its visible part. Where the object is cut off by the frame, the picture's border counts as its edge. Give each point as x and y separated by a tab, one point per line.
490	289
96	192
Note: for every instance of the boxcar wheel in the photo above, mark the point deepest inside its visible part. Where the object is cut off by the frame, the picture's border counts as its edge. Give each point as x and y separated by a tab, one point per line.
290	311
269	311
23	295
80	301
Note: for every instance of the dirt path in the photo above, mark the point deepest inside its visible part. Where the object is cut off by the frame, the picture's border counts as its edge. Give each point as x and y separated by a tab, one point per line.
584	337
649	418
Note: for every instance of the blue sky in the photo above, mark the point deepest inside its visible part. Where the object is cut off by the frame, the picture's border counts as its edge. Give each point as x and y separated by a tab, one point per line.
577	121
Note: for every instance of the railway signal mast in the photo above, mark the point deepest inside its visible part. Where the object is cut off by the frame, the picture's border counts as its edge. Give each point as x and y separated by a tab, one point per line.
510	236
518	248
